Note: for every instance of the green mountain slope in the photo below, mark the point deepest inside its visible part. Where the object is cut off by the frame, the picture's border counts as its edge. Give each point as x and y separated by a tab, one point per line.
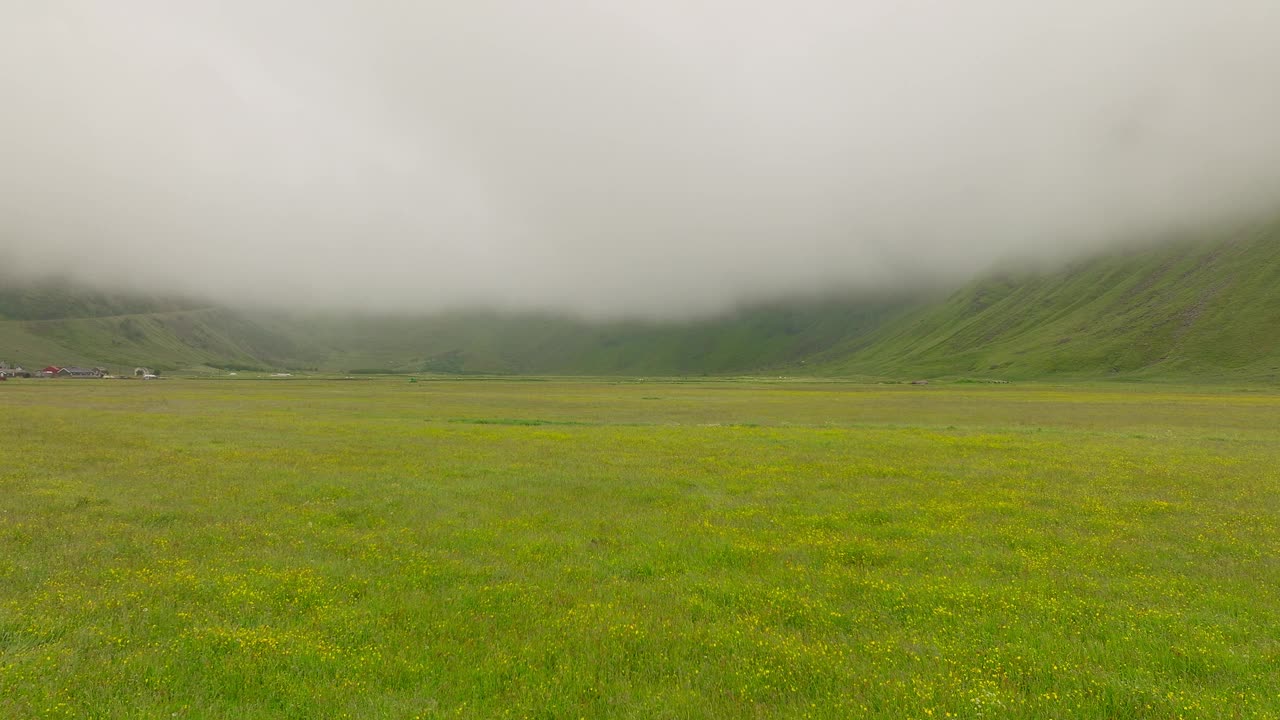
1195	310
1190	311
167	341
60	299
760	339
58	325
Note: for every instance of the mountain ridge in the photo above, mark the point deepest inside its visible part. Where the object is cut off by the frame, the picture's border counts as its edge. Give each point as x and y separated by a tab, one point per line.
1190	310
1193	309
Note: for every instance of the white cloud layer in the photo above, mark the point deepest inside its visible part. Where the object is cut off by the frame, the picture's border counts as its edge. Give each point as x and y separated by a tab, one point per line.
667	157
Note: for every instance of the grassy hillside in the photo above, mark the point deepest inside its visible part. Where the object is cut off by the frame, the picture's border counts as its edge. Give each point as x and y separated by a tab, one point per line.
1195	310
759	339
58	325
1205	310
167	341
55	299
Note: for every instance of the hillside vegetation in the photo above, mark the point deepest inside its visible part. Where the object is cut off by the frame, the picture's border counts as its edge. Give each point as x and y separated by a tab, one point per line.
1191	310
777	337
761	339
1199	309
57	323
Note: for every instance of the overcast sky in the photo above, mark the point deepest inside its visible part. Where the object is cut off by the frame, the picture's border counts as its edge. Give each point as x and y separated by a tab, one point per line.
655	157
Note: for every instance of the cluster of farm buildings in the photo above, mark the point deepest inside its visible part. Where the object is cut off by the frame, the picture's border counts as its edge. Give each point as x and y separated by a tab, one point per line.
55	371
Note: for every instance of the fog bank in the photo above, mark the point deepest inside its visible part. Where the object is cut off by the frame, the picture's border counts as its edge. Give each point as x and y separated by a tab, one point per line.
661	158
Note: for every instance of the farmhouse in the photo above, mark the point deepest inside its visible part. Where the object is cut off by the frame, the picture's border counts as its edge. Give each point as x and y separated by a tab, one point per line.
7	371
79	372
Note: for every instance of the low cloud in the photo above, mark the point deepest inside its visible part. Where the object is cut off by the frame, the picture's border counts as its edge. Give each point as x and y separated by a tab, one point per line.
611	157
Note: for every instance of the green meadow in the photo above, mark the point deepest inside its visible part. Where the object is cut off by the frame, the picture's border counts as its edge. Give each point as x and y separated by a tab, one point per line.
381	548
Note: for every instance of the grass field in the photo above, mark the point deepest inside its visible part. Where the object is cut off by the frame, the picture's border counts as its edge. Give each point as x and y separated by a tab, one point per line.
377	548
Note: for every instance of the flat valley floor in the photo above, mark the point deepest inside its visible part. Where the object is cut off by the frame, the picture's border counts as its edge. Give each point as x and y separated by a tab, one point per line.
379	548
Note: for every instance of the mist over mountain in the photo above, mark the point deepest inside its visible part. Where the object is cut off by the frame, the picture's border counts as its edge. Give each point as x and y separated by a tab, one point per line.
614	159
1204	310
